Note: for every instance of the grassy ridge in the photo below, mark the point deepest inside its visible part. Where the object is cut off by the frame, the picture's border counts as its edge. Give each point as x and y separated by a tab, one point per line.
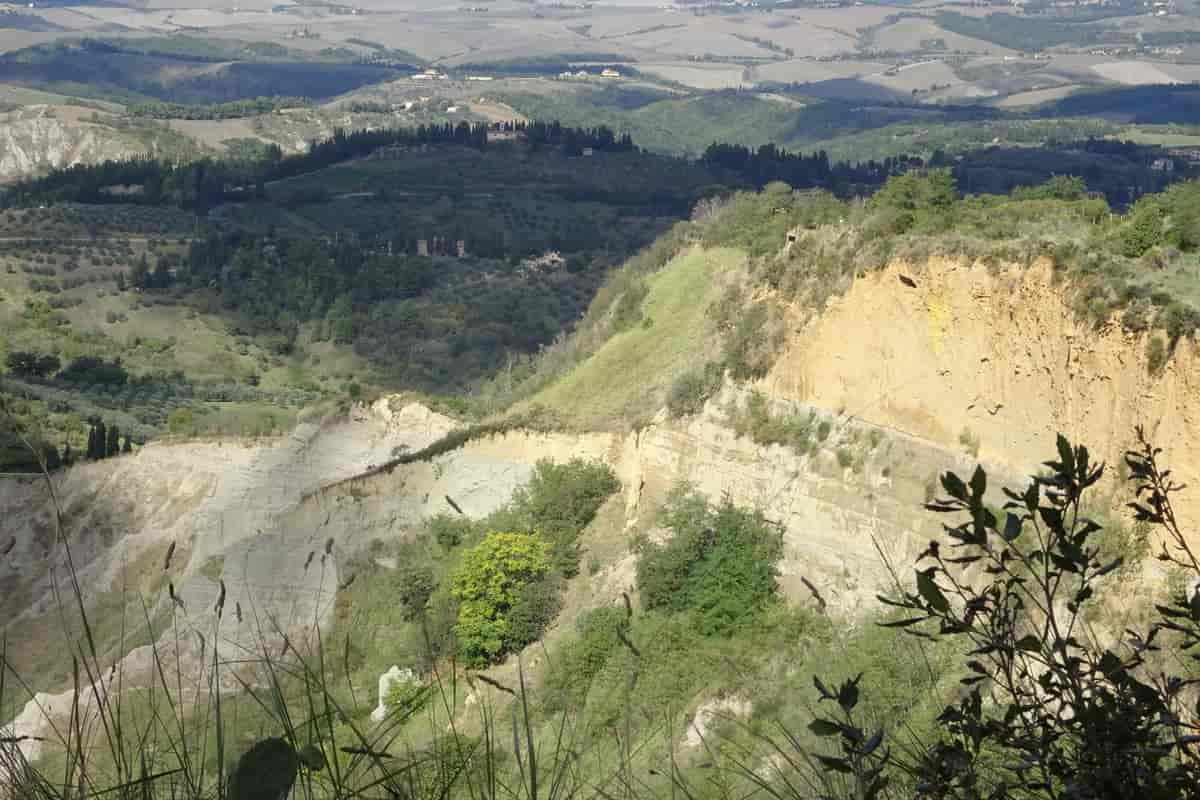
622	382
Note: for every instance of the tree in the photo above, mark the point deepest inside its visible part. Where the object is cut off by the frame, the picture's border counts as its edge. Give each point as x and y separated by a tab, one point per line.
140	274
719	564
101	440
127	447
488	582
91	443
112	445
1047	712
32	365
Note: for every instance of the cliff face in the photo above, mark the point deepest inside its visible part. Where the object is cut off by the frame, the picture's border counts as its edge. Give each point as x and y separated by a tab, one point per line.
996	355
39	137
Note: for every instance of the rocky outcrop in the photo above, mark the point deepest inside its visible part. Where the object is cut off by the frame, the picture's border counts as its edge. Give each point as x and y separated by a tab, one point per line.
36	138
994	355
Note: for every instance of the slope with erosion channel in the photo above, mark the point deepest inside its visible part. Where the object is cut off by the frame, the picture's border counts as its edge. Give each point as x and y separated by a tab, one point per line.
206	508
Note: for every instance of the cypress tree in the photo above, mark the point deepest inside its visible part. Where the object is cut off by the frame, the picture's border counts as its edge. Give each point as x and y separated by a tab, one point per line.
127	447
112	446
91	445
68	457
101	439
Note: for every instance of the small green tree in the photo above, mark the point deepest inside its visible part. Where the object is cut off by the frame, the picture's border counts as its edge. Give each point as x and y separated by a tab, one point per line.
487	584
719	564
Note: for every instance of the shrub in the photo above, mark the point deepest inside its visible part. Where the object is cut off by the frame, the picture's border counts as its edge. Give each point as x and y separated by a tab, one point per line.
845	457
628	311
719	564
692	389
969	442
404	696
559	501
749	349
1178	320
757	422
1143	228
1156	355
415	584
536	606
489	581
450	531
585	656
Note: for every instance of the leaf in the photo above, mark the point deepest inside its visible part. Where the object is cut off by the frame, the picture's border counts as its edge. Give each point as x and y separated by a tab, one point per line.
312	757
1029	643
930	592
825	693
1012	527
266	771
877	786
1110	664
1066	455
873	743
954	486
902	623
835	764
978	483
824	727
848	694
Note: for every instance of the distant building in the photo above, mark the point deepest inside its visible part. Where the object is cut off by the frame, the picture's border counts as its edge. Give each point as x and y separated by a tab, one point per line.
588	152
610	73
422	247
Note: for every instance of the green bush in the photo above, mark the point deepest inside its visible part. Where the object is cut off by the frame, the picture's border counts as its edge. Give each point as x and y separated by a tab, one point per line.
559	501
749	349
913	201
1178	320
845	457
1143	228
692	389
969	442
450	531
404	696
719	564
1156	354
490	580
535	607
628	311
763	427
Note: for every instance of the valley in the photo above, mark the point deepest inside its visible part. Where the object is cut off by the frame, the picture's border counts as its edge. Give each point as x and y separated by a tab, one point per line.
792	362
609	400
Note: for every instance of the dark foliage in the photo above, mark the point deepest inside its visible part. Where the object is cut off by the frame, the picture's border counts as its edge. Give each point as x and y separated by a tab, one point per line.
1046	712
718	565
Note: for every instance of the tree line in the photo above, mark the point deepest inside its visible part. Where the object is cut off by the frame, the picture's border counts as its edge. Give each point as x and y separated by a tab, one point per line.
205	183
234	109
